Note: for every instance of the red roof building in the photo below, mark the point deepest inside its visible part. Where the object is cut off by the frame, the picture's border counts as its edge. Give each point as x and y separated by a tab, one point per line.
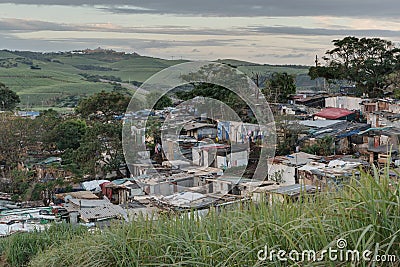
335	114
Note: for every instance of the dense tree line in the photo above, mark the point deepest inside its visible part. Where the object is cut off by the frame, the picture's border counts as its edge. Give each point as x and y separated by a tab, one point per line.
89	142
367	62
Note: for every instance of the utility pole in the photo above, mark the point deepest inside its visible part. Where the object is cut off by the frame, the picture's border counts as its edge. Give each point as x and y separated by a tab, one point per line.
256	79
316	65
259	80
4	117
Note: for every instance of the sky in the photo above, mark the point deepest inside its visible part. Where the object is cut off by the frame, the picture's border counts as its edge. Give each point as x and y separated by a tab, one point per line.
261	31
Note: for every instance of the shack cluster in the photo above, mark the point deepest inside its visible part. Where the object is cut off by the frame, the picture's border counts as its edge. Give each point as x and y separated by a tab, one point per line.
195	173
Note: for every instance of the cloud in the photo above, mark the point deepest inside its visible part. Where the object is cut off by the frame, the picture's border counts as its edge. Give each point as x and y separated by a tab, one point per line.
322	31
12	41
26	25
235	8
11	24
291	55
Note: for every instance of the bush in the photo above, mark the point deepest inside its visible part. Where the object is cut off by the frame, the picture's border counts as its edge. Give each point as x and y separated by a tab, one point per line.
324	147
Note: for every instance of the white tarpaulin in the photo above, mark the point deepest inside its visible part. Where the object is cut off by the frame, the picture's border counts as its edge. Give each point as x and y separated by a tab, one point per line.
93	185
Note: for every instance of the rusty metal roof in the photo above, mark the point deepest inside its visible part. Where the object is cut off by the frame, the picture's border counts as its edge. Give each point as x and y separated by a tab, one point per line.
333	113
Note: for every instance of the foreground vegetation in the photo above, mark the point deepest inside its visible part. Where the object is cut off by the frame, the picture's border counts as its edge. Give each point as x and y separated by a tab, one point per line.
19	248
366	213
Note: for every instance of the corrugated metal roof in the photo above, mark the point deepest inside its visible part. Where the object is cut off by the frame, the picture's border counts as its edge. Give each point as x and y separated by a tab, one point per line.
79	195
102	212
340	129
189	200
197	125
319	123
95	209
333	113
234	180
348	133
297	159
88	202
120	181
295	189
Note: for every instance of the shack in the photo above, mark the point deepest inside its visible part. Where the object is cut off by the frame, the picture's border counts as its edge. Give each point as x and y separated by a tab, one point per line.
200	130
291	193
335	114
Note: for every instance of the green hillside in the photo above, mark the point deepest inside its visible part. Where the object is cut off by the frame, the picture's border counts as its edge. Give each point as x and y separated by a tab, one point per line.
249	67
53	79
6	54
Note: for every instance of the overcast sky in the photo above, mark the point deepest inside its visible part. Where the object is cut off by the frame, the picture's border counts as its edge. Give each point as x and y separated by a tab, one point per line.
263	31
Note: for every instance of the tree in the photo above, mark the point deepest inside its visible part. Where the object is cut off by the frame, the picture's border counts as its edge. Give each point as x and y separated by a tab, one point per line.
288	134
45	123
8	98
219	93
153	129
117	87
394	80
100	150
68	134
22	136
279	87
19	184
367	62
16	136
103	106
163	102
100	147
49	113
227	76
324	147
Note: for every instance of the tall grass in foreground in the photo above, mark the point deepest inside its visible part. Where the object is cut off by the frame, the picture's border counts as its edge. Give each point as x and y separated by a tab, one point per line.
18	249
366	213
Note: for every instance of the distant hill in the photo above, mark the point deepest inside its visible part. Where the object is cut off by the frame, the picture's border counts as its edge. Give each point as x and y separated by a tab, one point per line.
249	67
60	79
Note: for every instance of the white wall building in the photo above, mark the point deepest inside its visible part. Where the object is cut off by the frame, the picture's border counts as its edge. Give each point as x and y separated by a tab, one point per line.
347	102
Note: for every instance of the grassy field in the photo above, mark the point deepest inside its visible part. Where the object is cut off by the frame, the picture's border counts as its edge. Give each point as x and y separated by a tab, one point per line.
59	77
366	214
250	68
43	87
5	55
